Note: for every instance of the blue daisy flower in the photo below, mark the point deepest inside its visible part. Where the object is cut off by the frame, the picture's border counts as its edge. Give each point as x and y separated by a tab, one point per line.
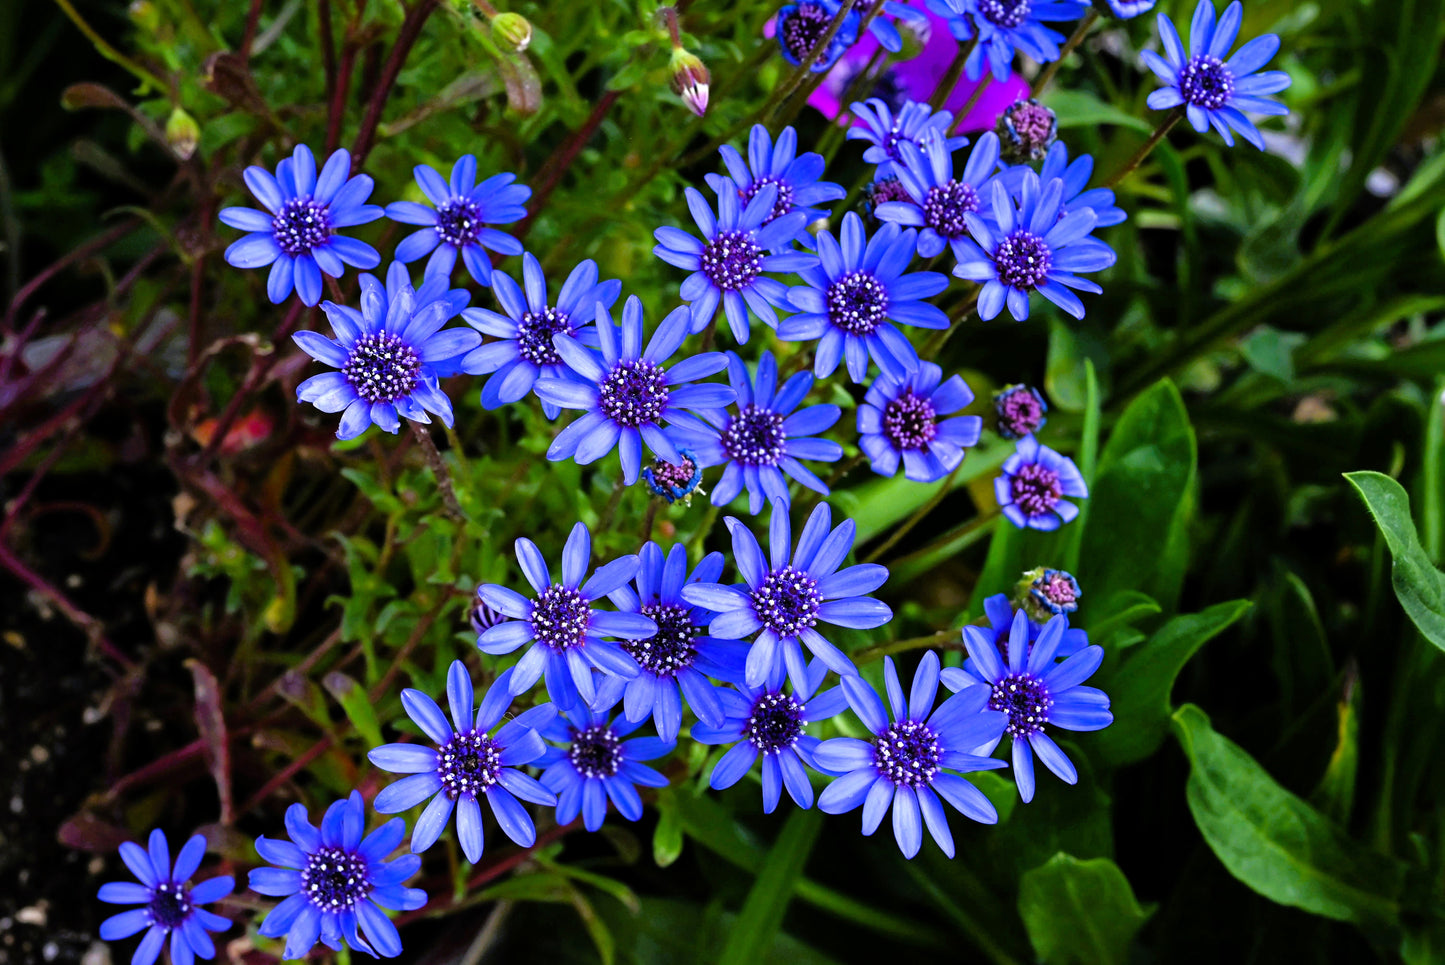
1033	691
1029	248
914	123
787	593
1214	91
171	905
901	420
801	25
728	264
626	395
1075	176
768	722
1004	26
853	295
763	441
678	659
335	881
388	354
523	350
467	765
913	759
296	234
1000	611
1035	480
795	175
458	222
594	764
939	204
562	620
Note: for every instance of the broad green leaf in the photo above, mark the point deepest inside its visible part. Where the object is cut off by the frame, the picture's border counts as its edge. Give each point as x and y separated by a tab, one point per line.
354	700
1077	108
880	504
1140	501
1274	842
1106	618
1418	585
767	902
1139	688
1079	911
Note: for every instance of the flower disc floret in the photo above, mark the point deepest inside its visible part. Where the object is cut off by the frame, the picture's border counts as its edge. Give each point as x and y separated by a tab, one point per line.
906	419
776	722
381	367
1025	698
787	601
335	879
469	763
908	753
459	221
634	393
1004	13
673	648
939	203
755	436
300	225
802	25
858	303
909	422
596	751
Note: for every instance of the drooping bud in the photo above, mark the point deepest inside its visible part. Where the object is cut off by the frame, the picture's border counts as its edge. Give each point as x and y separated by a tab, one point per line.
1026	129
512	32
690	80
1020	410
1124	9
1045	593
182	134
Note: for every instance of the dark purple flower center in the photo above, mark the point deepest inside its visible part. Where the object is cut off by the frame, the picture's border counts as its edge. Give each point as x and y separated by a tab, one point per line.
776	722
787	601
634	393
755	436
1023	260
468	764
459	221
560	617
907	753
381	367
910	421
858	303
484	617
1206	82
732	260
1004	13
1035	489
888	189
334	879
534	335
595	751
945	205
1057	591
676	475
1026	128
1020	411
673	647
1026	701
170	905
301	225
783	203
801	30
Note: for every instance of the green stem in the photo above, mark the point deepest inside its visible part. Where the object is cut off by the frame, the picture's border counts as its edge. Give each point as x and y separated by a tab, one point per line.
949	80
439	469
107	51
1159	132
901	646
793	81
1082	30
943	490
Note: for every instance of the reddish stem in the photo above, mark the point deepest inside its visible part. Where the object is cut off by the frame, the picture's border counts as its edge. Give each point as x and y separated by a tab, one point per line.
89	625
253	17
286	773
84	251
410	30
556	166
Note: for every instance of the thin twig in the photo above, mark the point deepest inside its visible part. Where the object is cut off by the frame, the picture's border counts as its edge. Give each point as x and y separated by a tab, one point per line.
253	17
917	517
1077	37
949	80
1159	132
438	466
410	30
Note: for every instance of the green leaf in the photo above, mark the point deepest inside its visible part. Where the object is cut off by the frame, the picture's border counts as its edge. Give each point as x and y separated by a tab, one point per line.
1270	351
1141	500
1076	108
1418	585
667	838
1274	842
1079	911
1139	689
354	700
767	902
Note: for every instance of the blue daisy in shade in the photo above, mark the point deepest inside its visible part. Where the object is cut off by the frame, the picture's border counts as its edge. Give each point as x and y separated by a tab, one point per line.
851	298
800	26
939	203
594	764
435	289
386	354
762	442
795	175
789	592
1005	26
1034	483
769	722
170	905
1030	248
626	394
1214	91
675	480
902	419
908	761
1034	691
568	632
675	662
522	351
336	882
728	264
886	131
468	764
458	224
296	234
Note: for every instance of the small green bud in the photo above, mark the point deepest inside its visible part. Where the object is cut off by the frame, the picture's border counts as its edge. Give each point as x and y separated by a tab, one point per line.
182	134
512	32
143	14
690	80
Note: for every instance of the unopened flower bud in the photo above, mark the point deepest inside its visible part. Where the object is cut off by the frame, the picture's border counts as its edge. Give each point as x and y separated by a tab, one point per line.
512	32
1045	593
1020	410
143	14
690	80
182	134
1026	130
